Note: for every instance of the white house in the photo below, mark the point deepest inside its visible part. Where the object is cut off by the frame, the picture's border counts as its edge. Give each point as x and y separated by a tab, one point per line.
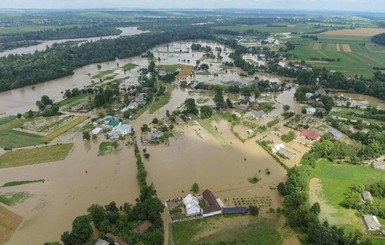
372	223
191	204
278	147
124	129
310	111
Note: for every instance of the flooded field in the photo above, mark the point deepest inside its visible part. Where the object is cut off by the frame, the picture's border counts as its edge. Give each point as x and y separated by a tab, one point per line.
361	99
84	178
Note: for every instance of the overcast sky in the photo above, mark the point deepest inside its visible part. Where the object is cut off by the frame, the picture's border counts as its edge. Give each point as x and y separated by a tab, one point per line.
344	5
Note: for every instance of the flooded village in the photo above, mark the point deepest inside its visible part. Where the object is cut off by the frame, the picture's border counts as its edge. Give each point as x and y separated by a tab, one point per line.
237	157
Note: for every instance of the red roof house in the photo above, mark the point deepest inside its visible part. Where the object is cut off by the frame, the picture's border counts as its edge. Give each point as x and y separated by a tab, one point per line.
213	207
310	135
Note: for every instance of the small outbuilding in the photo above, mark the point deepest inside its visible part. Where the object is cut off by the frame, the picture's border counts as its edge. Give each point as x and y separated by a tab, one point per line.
143	227
367	196
235	210
259	114
101	242
96	131
310	135
336	134
372	223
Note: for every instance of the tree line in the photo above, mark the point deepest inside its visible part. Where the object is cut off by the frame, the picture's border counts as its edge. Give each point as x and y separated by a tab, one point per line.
379	39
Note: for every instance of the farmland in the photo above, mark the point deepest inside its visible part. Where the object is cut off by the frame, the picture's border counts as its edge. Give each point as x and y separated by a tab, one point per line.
8	224
351	55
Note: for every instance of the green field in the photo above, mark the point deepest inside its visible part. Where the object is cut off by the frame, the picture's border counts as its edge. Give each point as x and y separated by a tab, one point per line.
159	102
237	230
10	138
129	66
35	155
336	179
300	27
12	198
363	57
65	128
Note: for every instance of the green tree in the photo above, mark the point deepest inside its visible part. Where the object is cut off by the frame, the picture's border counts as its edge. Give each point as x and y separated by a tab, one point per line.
195	188
81	229
191	107
254	210
206	111
218	98
97	213
286	107
86	135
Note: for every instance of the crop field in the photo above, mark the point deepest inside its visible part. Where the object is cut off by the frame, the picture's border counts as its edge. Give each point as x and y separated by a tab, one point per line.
349	55
9	221
299	27
184	70
65	128
34	156
10	138
360	32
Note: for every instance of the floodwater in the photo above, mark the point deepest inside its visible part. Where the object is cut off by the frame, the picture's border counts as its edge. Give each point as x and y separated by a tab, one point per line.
361	99
193	156
68	190
126	31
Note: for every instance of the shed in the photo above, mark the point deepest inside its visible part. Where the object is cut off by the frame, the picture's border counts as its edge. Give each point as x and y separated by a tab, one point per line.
117	240
310	111
113	135
96	131
235	210
286	153
372	223
101	242
367	196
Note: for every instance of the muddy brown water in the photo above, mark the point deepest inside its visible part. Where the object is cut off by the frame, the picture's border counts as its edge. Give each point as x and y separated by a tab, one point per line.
362	99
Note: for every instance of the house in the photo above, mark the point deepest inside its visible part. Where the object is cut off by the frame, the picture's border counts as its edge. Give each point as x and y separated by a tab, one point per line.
372	223
157	134
367	196
191	204
335	133
278	147
96	131
250	132
124	129
113	135
309	95
213	207
235	210
310	135
117	240
179	120
101	242
286	153
143	227
310	111
111	122
133	105
258	114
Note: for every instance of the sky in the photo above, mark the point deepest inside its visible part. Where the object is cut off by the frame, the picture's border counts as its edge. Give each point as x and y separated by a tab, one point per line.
343	5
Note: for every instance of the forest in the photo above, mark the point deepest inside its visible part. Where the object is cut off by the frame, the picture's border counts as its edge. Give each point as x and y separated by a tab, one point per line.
379	39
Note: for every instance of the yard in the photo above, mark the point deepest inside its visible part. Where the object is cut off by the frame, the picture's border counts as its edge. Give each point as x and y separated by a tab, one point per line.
335	180
35	155
10	138
226	230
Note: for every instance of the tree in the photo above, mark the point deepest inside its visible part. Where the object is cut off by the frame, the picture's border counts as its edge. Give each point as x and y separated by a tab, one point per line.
112	212
218	98
286	107
195	188
206	111
86	135
145	128
97	212
191	107
204	67
229	103
81	229
316	208
254	210
151	66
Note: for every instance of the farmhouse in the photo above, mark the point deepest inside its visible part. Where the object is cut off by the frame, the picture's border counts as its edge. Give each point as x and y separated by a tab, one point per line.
191	204
372	223
213	207
310	135
258	114
286	153
367	196
235	210
143	227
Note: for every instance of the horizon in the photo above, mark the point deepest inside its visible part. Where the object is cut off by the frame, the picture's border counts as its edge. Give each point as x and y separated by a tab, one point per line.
375	6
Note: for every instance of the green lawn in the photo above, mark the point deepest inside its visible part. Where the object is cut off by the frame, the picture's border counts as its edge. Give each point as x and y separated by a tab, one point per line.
129	66
10	138
102	74
237	230
206	124
73	100
105	148
35	155
159	102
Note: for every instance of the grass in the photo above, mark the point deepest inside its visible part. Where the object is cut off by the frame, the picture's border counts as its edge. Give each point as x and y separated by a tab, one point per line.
102	74
51	136
159	102
11	138
73	100
5	120
206	124
255	231
129	66
169	68
13	198
22	182
336	180
104	148
56	124
34	156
